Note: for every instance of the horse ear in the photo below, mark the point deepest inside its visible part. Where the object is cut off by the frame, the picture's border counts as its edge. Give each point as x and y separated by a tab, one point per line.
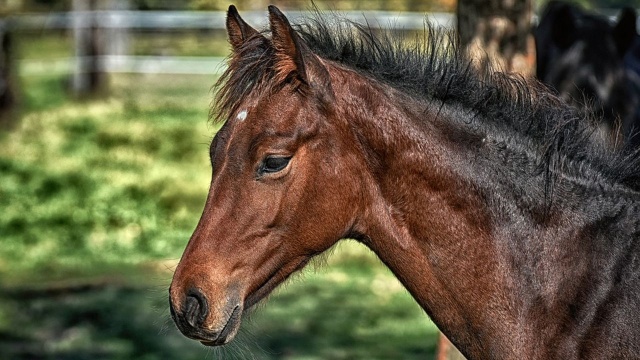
624	31
239	31
286	43
563	30
293	57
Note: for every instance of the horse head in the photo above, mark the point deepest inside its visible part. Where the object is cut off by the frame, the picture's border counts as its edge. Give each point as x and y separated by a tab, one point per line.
278	194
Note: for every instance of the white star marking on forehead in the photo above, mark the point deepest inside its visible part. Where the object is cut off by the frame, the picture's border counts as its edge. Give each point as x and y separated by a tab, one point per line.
242	115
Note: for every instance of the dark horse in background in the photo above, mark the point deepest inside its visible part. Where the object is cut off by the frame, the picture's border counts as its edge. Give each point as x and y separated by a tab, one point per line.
487	196
591	63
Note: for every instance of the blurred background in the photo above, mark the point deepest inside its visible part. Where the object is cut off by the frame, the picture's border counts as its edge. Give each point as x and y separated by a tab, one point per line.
104	170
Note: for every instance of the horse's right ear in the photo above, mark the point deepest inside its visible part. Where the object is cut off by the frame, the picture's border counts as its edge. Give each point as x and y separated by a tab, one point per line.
239	31
294	60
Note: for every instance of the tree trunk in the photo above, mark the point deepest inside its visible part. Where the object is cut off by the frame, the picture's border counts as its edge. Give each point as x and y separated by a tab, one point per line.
497	34
7	76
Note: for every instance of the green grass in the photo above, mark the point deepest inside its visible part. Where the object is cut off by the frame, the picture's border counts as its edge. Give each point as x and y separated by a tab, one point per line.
43	44
53	45
98	199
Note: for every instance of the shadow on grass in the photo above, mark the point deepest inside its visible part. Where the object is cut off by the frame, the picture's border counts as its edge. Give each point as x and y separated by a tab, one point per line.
90	322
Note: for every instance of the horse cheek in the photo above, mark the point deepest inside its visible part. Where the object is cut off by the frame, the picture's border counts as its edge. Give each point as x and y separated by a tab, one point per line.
330	218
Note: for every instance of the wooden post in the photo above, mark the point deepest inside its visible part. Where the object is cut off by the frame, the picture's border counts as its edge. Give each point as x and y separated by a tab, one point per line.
88	76
118	36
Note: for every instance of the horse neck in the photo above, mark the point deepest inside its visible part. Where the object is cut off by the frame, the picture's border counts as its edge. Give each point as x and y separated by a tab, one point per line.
448	224
423	222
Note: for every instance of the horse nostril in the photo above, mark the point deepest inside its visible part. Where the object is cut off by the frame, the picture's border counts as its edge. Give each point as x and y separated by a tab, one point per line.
195	308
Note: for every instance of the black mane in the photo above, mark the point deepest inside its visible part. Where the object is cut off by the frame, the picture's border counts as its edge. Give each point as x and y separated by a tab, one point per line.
433	67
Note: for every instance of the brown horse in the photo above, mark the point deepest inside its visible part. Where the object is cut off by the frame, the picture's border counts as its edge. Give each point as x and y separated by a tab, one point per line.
490	200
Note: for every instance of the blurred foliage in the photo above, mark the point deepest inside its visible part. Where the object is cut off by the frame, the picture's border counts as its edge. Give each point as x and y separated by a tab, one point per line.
107	180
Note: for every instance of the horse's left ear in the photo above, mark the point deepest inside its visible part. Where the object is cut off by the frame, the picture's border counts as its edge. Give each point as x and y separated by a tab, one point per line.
294	60
237	29
624	32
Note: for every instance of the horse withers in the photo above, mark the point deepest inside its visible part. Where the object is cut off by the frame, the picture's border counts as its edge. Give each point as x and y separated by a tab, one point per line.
489	198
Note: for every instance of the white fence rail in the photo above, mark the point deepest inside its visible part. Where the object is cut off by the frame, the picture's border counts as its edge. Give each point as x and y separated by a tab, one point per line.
215	19
123	21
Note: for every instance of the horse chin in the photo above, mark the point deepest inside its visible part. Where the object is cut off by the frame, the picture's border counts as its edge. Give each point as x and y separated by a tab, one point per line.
276	278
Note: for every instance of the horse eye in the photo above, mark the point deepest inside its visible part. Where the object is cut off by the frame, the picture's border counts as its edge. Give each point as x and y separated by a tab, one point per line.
273	164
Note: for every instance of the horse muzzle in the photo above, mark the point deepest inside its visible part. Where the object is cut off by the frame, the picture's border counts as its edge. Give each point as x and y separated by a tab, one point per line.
192	315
